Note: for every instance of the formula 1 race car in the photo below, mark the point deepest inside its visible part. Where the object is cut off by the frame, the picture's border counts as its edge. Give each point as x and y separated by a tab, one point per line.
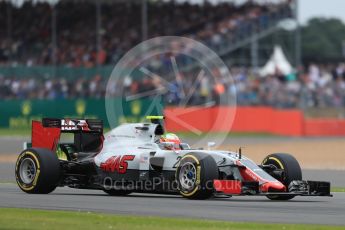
139	157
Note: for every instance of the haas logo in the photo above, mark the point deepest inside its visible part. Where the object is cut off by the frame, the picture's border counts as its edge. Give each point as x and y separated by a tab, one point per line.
117	163
71	125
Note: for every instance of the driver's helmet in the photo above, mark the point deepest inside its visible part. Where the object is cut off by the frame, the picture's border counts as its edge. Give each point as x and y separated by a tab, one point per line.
171	141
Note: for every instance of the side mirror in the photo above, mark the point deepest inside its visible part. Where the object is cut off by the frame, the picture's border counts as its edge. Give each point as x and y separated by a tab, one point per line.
210	145
184	146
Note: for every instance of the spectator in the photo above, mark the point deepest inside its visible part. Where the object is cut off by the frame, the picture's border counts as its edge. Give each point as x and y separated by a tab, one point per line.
30	40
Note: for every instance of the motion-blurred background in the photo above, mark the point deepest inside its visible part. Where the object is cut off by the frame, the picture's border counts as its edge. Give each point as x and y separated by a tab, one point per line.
286	58
58	55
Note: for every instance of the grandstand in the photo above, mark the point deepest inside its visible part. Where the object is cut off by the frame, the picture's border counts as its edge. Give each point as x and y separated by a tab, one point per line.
67	50
27	35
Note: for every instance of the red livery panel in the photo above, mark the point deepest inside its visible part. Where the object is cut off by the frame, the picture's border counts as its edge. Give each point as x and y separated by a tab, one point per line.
228	186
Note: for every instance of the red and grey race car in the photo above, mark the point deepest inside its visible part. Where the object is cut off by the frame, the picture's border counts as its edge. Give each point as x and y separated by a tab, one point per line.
133	158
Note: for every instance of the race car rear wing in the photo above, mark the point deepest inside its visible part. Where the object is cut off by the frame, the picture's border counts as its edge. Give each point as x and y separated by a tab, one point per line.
46	134
74	125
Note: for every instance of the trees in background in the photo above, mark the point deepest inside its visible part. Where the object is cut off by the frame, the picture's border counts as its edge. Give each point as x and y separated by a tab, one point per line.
323	40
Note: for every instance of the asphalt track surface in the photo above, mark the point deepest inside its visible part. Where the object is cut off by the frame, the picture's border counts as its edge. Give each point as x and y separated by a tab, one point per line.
306	210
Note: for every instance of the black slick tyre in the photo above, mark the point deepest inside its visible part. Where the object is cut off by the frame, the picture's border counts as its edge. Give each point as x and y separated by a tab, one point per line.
291	168
195	175
37	171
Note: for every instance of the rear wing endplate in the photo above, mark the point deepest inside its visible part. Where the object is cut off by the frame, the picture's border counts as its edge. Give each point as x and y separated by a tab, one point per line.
46	134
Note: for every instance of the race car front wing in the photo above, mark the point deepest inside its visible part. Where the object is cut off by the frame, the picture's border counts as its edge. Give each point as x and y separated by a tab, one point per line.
297	188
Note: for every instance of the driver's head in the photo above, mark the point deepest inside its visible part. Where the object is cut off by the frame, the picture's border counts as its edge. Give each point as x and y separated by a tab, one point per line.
171	138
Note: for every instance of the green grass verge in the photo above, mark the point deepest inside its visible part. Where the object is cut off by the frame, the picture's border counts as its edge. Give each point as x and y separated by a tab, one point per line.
39	219
337	189
15	132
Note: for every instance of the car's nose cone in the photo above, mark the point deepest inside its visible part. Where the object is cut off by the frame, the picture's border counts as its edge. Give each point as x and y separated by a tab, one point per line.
273	187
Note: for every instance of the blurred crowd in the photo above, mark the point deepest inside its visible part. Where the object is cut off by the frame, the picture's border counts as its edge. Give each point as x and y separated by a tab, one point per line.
26	32
48	88
26	39
313	86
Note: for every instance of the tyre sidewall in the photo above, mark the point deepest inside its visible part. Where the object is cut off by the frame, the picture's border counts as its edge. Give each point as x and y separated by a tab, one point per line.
195	161
31	186
47	171
206	172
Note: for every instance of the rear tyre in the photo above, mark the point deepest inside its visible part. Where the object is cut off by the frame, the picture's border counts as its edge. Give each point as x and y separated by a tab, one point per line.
195	175
291	168
37	171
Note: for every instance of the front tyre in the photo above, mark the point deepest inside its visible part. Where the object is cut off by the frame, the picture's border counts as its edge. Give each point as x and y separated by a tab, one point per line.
195	175
291	171
37	171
